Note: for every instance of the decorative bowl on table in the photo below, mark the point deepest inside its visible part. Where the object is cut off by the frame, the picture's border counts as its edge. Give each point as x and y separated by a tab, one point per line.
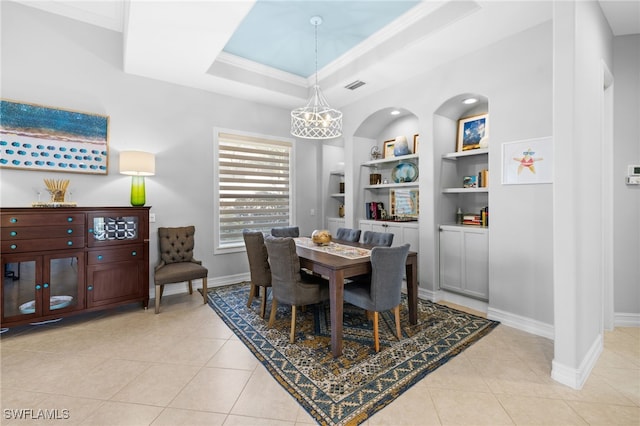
321	237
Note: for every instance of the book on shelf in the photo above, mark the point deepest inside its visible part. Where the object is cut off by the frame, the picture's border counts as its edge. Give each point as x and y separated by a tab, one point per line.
477	219
483	178
373	210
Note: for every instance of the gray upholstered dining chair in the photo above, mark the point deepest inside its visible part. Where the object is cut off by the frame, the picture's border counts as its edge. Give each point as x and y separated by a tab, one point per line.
286	231
176	261
289	284
258	267
384	239
347	234
383	292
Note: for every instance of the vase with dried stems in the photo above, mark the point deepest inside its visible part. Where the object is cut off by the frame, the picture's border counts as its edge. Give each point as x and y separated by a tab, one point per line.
57	188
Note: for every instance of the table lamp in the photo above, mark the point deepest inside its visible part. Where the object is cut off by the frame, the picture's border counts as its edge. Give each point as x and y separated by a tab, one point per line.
137	164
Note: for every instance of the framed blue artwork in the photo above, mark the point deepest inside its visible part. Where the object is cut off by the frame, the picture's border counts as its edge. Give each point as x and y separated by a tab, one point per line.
471	130
37	137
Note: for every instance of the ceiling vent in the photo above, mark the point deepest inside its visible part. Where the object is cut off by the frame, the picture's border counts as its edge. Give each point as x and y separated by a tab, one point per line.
355	85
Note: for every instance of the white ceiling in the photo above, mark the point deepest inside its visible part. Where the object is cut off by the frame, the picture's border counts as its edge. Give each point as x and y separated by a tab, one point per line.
182	42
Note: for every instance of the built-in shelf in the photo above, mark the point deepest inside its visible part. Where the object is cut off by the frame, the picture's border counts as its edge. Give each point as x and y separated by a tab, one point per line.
456	155
393	185
464	190
336	195
375	163
337	172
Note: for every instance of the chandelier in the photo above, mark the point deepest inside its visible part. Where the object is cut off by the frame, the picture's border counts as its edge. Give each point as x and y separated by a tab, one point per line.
316	120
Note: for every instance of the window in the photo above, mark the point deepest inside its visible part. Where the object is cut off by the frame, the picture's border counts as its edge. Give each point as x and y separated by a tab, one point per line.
253	187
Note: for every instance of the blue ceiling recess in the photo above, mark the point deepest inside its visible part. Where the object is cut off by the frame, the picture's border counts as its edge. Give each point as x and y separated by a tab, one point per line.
279	34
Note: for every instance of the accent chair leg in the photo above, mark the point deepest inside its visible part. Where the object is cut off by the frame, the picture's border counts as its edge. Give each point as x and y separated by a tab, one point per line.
292	336
274	308
396	311
375	331
190	287
158	296
204	289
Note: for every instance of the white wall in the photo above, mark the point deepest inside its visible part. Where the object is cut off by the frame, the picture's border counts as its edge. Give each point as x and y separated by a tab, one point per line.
54	61
626	69
582	44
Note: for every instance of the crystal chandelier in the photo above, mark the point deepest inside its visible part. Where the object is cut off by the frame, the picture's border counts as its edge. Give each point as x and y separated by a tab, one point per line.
316	120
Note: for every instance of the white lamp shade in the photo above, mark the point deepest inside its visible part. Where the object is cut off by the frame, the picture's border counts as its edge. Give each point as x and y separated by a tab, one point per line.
137	163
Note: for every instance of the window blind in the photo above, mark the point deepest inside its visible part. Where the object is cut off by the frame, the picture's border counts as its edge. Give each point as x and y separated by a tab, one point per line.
253	185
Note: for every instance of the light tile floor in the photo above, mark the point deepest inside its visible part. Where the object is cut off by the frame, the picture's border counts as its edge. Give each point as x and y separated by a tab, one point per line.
185	367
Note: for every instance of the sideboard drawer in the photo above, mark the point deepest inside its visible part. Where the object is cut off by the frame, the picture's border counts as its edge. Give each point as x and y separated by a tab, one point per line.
41	219
42	244
11	233
132	252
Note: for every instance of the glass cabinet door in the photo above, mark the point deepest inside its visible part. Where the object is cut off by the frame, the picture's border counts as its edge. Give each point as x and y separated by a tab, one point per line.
113	229
21	285
62	283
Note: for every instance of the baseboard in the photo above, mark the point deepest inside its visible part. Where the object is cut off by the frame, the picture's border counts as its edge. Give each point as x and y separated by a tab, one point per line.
179	288
621	319
575	378
522	323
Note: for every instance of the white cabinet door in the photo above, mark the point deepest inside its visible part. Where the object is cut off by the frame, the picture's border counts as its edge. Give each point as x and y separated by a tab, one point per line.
464	262
333	224
476	263
450	259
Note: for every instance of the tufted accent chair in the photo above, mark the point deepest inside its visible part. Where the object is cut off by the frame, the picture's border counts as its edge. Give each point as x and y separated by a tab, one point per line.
176	261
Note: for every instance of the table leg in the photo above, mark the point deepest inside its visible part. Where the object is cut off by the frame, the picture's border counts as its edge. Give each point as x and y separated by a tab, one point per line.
412	289
336	299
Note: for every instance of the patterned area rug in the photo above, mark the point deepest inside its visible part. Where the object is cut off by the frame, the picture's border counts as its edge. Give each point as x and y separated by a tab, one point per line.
351	388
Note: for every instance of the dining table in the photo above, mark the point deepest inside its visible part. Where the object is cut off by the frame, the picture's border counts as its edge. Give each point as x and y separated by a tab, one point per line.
339	264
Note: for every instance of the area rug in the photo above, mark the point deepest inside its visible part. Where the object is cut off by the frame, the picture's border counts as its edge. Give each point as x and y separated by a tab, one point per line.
349	389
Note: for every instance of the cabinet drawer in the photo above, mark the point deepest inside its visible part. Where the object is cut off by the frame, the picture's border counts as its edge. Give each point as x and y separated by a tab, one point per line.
42	244
96	257
35	232
41	219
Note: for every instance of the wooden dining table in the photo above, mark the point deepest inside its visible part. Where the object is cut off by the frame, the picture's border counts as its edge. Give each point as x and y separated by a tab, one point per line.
337	268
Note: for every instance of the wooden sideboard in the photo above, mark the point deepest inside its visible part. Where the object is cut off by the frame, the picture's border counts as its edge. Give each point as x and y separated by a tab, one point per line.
58	262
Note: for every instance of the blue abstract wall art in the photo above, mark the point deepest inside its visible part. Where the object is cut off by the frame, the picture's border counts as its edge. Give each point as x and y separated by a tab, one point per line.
37	137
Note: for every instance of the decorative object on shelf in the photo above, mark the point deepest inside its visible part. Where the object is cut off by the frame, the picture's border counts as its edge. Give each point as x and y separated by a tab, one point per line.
484	142
137	164
416	143
375	179
470	182
405	203
341	210
316	120
375	153
471	130
321	237
404	172
57	188
459	216
528	162
400	147
387	148
37	137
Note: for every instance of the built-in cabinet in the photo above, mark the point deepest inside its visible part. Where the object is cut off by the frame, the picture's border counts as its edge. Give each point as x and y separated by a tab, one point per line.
333	223
464	263
61	261
403	232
